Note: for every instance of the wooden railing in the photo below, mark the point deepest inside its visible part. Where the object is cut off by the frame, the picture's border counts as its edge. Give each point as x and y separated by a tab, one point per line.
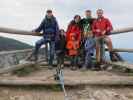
23	32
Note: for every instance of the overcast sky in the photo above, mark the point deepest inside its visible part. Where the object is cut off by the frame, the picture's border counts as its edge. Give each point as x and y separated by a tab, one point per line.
27	15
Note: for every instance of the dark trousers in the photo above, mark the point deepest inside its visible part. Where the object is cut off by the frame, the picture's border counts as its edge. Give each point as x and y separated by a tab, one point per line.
50	52
60	58
74	61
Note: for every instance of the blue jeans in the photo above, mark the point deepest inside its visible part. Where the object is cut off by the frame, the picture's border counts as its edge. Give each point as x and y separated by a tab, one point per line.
88	59
89	50
50	52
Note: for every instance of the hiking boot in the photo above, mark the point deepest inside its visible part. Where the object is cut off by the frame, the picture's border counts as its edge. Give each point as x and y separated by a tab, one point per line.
97	67
104	66
35	58
113	57
32	57
90	66
50	67
84	68
73	68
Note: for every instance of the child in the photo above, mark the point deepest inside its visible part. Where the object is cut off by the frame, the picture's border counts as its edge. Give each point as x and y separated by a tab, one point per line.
61	48
73	46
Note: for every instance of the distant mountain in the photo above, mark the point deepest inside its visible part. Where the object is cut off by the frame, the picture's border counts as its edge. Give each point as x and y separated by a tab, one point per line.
7	44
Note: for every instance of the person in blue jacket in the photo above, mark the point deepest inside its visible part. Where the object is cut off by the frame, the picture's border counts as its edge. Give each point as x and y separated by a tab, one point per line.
50	29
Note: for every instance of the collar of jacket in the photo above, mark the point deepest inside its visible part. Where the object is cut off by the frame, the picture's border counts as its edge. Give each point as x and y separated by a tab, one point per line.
52	17
74	23
100	18
88	17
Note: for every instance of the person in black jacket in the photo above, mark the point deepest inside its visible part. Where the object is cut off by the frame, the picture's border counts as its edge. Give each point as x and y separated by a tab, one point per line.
50	29
61	48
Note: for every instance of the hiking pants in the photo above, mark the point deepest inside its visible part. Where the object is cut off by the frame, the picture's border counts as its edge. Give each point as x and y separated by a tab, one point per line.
50	52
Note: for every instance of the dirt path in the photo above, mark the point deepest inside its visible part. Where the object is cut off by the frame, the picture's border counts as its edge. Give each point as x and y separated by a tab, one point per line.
77	93
102	93
87	93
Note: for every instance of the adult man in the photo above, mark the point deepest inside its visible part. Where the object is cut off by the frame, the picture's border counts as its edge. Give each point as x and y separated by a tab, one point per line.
88	43
50	29
86	24
102	27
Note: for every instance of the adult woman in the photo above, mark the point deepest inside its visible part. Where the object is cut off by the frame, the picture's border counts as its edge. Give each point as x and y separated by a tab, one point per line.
73	38
74	28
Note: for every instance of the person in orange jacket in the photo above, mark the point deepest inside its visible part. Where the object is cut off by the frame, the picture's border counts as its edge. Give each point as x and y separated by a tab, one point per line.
73	46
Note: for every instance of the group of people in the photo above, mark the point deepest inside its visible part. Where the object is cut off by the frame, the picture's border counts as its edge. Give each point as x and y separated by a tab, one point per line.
79	42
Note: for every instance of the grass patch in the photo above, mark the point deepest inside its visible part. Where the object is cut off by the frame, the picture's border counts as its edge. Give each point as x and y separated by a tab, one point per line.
53	88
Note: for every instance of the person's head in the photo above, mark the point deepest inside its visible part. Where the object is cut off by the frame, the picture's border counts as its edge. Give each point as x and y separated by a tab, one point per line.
99	13
49	13
77	18
62	32
88	13
73	37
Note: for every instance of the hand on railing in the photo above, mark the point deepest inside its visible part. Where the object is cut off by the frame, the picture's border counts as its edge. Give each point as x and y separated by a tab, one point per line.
36	33
33	32
104	32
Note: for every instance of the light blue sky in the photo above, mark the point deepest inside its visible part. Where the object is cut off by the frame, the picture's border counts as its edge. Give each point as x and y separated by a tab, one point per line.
27	15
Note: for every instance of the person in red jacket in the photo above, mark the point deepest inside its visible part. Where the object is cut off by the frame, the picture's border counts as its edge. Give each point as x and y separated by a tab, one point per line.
73	38
102	27
74	28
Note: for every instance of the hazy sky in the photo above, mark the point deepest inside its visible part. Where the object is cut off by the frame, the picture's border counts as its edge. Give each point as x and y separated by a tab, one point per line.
27	15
